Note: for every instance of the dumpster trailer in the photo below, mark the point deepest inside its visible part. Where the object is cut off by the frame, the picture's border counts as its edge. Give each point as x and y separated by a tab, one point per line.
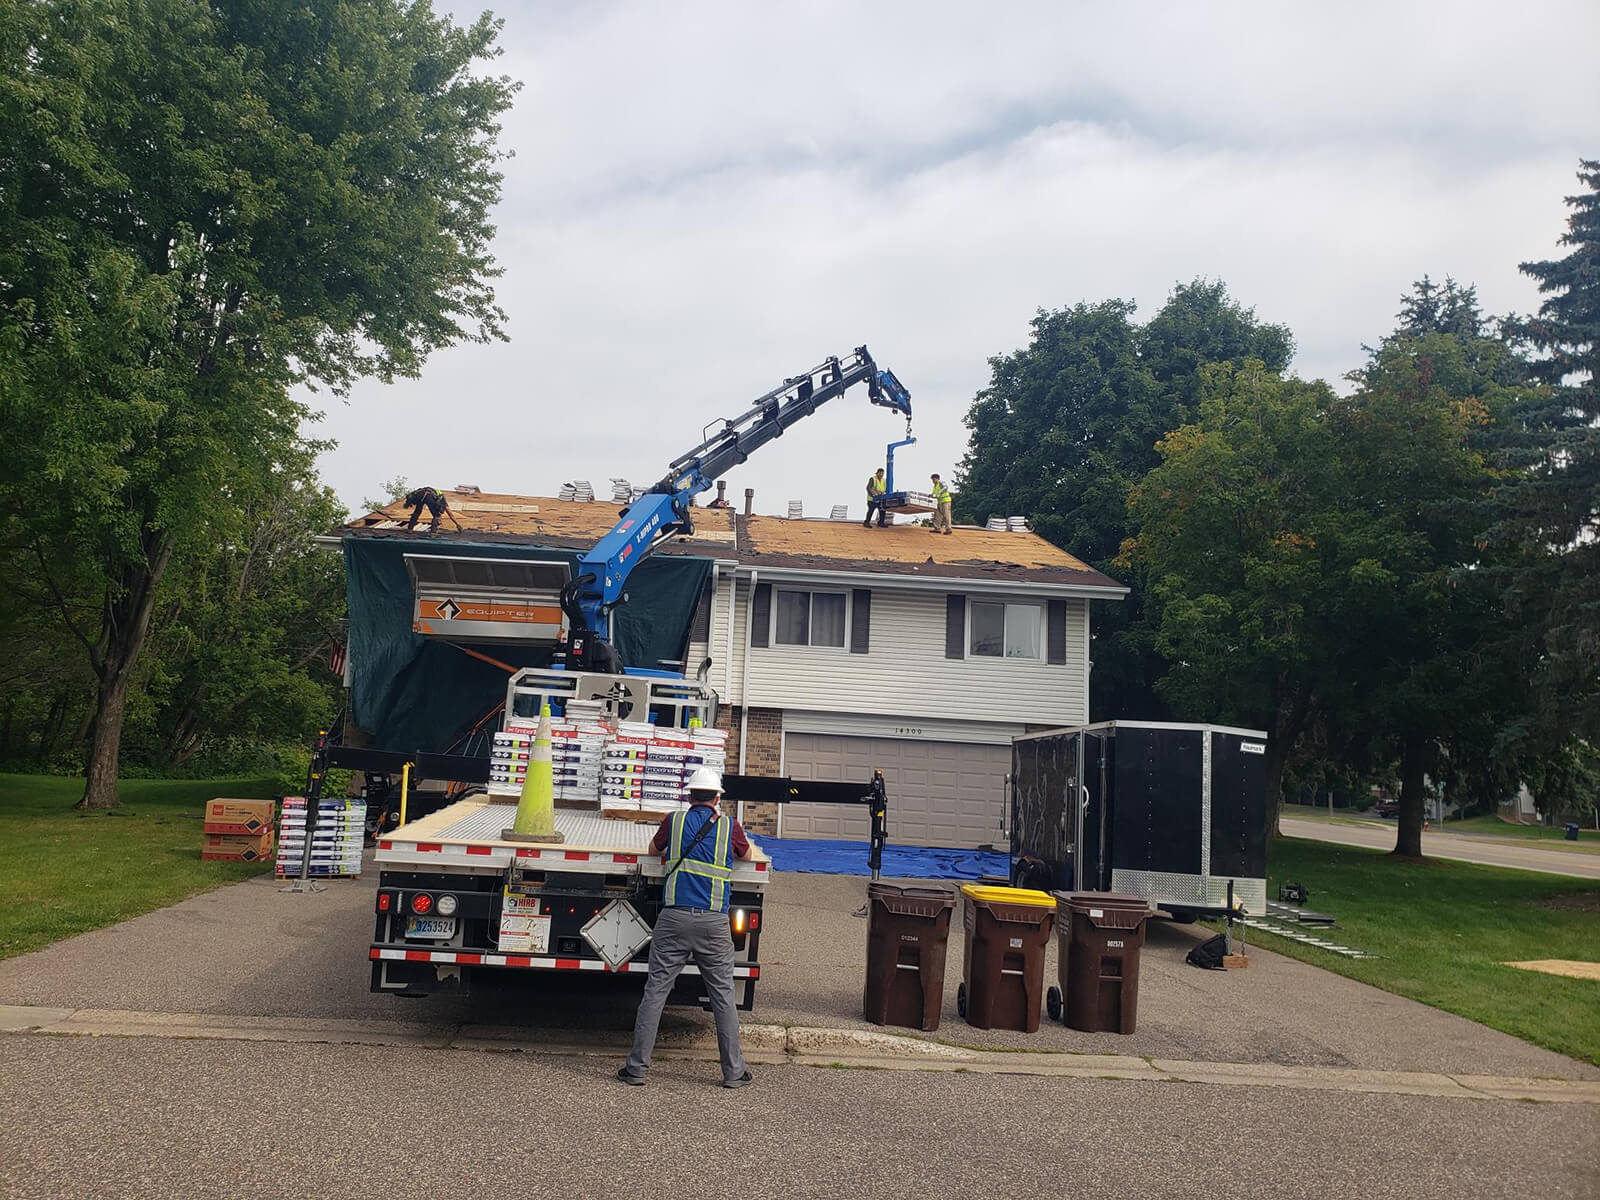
1174	814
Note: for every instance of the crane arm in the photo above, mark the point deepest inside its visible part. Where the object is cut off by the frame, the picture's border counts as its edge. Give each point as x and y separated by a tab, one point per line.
666	509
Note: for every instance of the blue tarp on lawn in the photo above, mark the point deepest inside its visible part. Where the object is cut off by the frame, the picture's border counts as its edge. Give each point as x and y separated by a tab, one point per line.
899	862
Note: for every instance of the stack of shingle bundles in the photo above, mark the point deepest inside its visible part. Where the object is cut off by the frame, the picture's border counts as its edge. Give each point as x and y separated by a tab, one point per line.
622	774
710	750
667	768
621	491
796	509
577	750
508	761
582	491
1017	524
567	492
335	846
238	830
996	525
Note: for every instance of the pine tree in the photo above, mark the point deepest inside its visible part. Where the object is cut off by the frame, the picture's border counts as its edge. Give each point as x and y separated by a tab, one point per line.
1551	446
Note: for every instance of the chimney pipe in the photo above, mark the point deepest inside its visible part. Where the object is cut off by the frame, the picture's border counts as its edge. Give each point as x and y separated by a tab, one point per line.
722	493
749	500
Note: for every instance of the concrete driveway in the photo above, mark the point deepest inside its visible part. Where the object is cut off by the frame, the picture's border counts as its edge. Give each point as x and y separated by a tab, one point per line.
253	950
1488	851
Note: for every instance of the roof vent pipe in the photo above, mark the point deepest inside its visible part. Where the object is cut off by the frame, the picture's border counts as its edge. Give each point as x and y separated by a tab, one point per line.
749	501
722	494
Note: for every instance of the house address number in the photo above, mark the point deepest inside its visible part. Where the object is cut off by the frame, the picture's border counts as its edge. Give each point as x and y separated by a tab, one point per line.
908	731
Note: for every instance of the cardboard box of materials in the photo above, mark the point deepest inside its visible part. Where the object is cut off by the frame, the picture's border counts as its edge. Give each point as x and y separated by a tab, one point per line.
237	847
238	816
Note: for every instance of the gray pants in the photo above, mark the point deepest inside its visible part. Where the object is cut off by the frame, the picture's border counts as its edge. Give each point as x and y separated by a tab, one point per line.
682	933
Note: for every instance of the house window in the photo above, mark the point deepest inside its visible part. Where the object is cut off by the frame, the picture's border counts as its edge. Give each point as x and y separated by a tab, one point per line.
1004	630
809	618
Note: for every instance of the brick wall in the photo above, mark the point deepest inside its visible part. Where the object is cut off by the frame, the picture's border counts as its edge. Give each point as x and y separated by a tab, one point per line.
765	751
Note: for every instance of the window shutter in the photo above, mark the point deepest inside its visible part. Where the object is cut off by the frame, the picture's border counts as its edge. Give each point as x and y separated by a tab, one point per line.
860	620
761	614
955	626
1056	632
700	627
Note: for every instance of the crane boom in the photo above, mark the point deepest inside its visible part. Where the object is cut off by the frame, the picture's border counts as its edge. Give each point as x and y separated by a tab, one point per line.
666	509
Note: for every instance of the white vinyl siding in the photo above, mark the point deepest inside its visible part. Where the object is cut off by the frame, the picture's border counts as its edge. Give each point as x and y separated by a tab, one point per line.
906	672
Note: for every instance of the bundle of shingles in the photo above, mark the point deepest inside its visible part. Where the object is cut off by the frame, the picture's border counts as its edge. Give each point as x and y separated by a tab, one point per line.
796	510
621	491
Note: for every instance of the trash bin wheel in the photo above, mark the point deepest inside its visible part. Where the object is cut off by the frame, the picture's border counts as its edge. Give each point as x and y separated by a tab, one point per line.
961	999
1052	1003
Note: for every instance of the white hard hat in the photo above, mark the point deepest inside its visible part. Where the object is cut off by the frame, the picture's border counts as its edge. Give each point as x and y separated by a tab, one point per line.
705	779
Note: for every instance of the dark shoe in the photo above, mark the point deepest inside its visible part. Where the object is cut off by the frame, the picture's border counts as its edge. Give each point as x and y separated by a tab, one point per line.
630	1080
866	524
743	1081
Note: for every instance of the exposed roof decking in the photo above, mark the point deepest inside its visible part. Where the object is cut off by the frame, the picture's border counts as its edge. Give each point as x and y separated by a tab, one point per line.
775	543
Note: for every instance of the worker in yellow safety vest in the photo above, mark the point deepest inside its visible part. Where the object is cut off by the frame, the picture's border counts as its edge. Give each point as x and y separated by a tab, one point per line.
941	506
700	845
875	489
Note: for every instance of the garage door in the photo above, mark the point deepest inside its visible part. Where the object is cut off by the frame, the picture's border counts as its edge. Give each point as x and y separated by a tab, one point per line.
940	793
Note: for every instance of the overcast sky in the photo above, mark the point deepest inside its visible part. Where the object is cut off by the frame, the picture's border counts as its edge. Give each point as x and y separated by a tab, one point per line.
707	198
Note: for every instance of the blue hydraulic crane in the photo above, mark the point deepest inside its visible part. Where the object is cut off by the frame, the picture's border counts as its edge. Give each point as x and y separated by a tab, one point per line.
666	509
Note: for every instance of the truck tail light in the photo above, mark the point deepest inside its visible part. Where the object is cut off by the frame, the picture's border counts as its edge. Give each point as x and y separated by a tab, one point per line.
422	904
738	921
754	919
385	901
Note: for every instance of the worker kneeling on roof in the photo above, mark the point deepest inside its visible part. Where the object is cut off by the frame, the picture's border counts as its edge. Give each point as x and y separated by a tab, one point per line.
699	846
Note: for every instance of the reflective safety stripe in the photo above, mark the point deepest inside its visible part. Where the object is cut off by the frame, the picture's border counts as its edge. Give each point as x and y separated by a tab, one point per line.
716	871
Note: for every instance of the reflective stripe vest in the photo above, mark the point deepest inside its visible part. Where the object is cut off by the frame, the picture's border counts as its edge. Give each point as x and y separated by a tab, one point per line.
941	494
703	879
875	486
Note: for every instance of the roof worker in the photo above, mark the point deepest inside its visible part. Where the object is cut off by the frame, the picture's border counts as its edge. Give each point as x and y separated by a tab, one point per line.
875	490
941	506
699	846
433	500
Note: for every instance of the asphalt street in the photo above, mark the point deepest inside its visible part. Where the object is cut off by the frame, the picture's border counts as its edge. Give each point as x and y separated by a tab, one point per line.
115	1117
1502	852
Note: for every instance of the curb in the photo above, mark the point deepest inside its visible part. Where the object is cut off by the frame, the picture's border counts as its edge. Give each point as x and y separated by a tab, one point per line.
794	1045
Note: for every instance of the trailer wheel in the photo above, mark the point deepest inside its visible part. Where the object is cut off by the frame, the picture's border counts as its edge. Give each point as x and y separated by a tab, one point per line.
1052	1003
961	999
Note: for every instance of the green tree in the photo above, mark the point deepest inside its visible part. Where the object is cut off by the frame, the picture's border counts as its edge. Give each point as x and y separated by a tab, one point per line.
1070	423
240	647
1550	446
201	206
1427	663
1232	534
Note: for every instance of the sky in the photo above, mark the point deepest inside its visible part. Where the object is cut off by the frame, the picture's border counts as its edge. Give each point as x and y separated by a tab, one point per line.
707	198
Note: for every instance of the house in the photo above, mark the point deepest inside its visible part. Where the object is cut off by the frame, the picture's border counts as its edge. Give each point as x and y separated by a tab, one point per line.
835	649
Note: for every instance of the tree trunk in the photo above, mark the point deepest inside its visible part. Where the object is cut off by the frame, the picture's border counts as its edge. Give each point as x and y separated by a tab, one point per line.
1408	838
127	623
1293	710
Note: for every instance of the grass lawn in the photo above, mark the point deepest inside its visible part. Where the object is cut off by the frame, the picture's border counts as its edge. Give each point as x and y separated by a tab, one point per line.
1444	928
1493	826
64	872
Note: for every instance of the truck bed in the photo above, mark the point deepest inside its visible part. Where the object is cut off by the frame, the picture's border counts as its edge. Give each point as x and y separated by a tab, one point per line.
467	834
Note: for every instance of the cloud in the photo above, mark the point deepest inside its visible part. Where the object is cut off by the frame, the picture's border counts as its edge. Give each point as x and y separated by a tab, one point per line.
709	198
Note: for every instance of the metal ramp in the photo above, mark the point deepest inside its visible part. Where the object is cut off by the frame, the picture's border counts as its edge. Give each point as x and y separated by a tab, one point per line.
1280	929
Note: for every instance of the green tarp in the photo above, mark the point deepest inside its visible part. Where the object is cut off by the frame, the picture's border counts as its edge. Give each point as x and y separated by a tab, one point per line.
411	692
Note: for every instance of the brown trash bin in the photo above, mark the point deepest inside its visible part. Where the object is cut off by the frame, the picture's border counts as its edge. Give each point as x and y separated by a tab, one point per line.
1007	934
1098	961
908	933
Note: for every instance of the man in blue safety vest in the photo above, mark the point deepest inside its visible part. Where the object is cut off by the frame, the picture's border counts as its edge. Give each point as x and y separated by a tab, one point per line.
699	845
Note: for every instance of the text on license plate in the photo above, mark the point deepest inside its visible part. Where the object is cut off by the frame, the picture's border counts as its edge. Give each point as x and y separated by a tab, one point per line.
431	927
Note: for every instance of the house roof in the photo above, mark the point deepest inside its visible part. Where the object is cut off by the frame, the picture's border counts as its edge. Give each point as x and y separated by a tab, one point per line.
767	542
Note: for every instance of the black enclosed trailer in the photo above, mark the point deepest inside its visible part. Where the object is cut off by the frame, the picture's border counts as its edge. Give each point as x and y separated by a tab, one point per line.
1170	813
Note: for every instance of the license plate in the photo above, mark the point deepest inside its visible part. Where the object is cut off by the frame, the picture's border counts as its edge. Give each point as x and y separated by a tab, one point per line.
430	927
